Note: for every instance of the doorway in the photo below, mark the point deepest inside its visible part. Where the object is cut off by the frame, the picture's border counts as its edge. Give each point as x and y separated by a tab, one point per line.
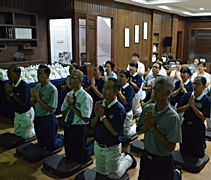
61	40
103	39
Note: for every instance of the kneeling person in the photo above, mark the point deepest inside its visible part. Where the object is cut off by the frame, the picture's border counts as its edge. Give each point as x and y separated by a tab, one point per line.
44	100
109	120
76	109
18	96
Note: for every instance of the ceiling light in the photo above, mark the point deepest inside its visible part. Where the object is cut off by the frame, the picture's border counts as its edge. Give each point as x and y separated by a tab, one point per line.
164	7
201	9
188	13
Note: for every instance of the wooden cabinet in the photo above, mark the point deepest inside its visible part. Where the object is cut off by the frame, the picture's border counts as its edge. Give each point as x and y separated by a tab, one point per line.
18	29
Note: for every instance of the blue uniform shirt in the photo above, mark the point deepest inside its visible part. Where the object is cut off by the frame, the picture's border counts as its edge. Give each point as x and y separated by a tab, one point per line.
115	113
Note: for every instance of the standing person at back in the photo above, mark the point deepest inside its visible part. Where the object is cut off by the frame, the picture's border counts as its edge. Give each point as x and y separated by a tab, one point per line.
109	66
45	100
135	82
141	67
76	109
18	96
109	119
140	71
162	130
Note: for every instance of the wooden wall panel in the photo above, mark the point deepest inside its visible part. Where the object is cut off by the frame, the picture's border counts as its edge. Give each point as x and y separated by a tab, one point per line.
193	23
124	16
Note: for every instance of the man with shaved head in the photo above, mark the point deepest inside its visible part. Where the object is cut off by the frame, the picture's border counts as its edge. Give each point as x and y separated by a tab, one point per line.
76	109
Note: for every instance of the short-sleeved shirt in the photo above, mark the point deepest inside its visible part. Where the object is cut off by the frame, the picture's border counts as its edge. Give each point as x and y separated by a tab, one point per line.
99	83
21	90
206	75
137	79
162	71
188	86
129	93
112	75
49	95
202	103
167	123
115	113
83	103
173	73
141	67
148	79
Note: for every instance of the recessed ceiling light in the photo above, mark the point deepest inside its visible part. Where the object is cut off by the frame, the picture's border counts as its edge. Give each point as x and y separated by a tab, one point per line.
201	9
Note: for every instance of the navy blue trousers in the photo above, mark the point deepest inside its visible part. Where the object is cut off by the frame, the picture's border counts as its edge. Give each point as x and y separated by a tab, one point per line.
75	143
46	132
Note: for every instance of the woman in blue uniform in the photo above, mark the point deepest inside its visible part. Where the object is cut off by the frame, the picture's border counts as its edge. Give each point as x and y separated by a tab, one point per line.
196	108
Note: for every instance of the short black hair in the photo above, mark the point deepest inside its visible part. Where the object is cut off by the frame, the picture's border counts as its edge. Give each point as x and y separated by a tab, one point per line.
111	64
16	69
203	63
47	70
101	69
117	84
134	64
186	70
160	59
179	60
158	64
125	72
136	54
202	79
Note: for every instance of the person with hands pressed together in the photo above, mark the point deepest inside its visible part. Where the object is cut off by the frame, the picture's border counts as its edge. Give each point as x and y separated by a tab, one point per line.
196	108
161	127
108	124
182	86
76	109
18	96
44	100
95	86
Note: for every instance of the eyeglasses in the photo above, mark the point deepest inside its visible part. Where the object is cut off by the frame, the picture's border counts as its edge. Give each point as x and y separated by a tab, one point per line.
197	84
121	76
155	67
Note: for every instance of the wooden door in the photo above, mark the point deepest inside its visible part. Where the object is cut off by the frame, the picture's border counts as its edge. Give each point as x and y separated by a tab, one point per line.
91	44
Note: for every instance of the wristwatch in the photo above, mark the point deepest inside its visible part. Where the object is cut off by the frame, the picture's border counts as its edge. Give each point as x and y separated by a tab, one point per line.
101	118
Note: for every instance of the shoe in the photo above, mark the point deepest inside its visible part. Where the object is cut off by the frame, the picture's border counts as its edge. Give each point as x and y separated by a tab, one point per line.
133	165
178	170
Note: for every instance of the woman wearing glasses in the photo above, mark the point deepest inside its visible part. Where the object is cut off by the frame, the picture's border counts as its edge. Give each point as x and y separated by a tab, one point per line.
196	108
201	72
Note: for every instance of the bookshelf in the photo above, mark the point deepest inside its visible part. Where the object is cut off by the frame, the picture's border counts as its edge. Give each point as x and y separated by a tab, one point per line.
18	28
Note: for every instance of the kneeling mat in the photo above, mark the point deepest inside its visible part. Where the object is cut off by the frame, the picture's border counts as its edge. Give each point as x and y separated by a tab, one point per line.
91	174
62	167
9	141
33	152
137	146
189	163
128	140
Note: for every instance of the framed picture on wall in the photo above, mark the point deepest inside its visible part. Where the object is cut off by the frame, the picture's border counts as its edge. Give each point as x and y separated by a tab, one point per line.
127	37
136	32
145	31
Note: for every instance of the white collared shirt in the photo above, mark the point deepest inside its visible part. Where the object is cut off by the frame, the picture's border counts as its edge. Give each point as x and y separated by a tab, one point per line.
17	83
111	104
